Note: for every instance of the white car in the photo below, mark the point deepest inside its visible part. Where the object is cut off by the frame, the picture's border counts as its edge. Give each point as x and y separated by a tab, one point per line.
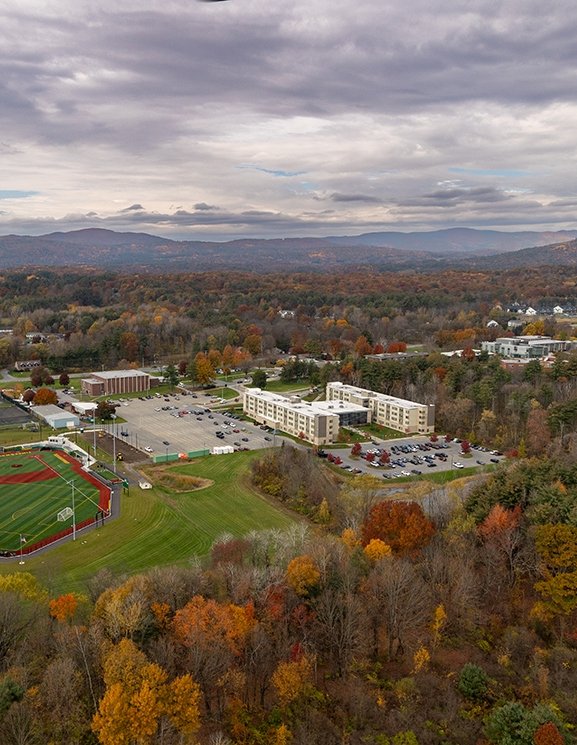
149	449
458	465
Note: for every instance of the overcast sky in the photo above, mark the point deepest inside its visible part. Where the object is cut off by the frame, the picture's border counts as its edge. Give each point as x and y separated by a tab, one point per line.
287	117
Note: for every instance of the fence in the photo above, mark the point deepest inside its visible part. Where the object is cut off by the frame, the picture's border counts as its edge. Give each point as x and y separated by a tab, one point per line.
172	457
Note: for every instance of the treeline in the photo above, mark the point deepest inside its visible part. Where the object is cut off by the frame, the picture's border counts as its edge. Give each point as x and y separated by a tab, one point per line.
96	318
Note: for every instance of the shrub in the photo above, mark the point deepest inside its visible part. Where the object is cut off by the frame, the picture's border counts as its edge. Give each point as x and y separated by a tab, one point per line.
473	682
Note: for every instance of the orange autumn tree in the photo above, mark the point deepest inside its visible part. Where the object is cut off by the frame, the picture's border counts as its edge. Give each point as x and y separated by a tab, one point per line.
501	531
139	700
45	396
225	623
64	607
401	525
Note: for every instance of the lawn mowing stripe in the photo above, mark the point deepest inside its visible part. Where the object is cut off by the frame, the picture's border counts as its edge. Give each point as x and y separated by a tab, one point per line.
157	527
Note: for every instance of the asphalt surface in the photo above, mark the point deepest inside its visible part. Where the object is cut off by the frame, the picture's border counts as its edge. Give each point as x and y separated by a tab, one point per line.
452	450
186	423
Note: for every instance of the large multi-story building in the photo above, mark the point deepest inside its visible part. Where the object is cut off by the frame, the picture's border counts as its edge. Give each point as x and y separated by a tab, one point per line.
317	422
110	382
396	413
525	347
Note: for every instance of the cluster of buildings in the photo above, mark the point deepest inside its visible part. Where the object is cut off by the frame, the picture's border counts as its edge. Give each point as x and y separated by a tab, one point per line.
319	422
528	347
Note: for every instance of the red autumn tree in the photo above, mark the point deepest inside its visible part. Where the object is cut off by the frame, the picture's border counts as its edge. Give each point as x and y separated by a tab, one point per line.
401	525
356	449
548	734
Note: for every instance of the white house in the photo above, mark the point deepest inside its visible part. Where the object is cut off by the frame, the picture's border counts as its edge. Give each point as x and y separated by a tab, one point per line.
530	311
491	324
558	310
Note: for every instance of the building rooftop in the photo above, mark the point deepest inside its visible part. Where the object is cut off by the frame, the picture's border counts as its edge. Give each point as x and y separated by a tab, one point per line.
375	396
110	374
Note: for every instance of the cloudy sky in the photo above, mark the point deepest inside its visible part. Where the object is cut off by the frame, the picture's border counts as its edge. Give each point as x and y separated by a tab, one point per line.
287	117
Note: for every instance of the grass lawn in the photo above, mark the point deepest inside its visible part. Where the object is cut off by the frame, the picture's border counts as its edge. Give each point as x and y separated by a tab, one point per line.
385	433
162	527
222	392
279	386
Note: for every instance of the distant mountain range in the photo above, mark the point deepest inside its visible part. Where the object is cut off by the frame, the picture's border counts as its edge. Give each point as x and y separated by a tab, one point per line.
98	248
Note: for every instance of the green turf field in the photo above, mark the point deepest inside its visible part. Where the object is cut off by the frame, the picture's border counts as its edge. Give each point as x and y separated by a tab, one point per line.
30	509
160	527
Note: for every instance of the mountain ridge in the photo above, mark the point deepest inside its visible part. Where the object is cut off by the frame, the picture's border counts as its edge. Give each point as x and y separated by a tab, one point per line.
104	248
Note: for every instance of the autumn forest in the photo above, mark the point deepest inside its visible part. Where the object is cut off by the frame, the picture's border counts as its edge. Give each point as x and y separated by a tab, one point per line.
436	611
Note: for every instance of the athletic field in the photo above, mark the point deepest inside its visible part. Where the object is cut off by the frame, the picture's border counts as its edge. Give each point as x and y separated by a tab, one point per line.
36	485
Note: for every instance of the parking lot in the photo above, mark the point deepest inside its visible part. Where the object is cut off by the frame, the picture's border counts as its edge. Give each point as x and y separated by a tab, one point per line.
186	423
413	456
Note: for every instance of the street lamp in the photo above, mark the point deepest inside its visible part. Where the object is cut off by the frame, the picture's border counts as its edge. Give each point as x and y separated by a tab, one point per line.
94	432
166	444
22	541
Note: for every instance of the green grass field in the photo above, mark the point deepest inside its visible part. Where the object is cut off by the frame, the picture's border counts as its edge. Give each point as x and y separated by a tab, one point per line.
30	509
160	527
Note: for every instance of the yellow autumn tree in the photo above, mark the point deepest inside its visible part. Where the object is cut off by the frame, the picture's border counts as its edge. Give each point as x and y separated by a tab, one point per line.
23	584
439	623
139	697
375	550
421	659
350	538
291	680
302	575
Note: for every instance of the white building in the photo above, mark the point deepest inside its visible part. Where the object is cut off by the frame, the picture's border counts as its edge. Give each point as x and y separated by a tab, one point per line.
521	347
310	421
56	417
396	413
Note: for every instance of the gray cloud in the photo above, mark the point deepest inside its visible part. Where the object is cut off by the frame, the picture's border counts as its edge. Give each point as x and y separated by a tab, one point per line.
264	108
354	198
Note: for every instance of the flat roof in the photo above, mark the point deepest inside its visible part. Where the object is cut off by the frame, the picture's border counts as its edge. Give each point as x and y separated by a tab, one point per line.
109	374
383	397
337	407
49	409
302	407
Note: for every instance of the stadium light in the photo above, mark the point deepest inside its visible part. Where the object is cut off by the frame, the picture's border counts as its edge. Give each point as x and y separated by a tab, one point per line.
73	513
22	541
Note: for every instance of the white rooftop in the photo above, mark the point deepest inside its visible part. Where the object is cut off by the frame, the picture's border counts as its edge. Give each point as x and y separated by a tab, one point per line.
118	374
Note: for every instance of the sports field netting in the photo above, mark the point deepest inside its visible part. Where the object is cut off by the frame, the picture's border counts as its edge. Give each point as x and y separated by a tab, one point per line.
36	485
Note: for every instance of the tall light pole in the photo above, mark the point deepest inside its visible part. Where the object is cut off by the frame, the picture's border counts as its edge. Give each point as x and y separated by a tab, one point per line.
22	541
73	513
166	445
113	450
94	432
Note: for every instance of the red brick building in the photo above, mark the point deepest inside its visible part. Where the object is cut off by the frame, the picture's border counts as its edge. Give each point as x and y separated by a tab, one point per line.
110	382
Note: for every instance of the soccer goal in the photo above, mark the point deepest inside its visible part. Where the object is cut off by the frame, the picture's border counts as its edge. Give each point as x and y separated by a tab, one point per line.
64	514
